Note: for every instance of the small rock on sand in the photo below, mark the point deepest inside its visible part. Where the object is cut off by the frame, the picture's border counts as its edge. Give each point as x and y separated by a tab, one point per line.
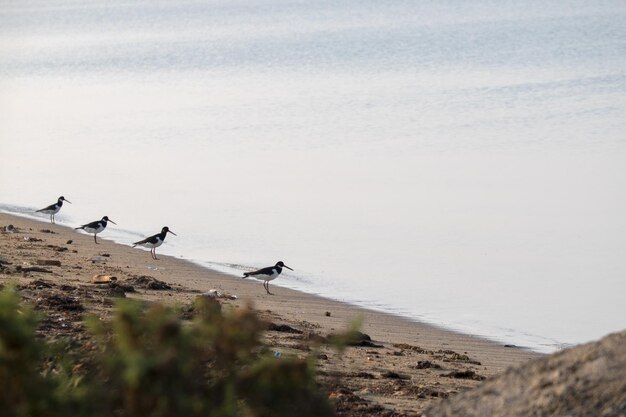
97	259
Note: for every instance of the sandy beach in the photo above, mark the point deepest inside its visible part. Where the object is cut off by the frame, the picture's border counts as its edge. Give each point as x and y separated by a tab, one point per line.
406	367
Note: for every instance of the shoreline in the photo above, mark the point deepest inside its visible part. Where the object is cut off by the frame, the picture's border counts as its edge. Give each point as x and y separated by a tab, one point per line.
291	303
406	367
26	215
549	346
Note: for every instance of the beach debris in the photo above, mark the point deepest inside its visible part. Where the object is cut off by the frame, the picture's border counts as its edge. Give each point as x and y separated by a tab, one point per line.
32	239
48	231
356	335
48	262
394	375
452	356
60	302
421	391
148	283
347	400
341	374
69	242
103	279
354	338
322	356
4	260
278	354
283	328
21	268
97	259
106	255
116	291
467	374
57	248
327	314
444	355
348	403
412	348
40	284
10	229
125	287
213	293
427	365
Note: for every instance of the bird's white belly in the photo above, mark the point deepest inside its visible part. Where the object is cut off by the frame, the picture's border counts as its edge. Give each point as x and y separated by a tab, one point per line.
151	245
267	277
94	230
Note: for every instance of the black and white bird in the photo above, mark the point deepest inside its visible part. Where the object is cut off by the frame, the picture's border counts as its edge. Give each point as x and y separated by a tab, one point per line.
95	227
53	208
154	241
267	274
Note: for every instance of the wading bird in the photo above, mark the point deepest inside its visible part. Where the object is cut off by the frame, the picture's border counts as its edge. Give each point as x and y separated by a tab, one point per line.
267	274
95	227
154	241
53	208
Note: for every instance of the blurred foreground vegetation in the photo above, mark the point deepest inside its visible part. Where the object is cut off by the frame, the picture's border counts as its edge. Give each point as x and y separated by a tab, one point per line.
147	362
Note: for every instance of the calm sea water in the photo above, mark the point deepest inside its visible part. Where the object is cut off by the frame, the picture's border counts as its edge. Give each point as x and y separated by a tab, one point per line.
457	162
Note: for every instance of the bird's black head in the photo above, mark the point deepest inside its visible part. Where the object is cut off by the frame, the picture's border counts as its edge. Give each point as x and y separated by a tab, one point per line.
63	199
167	230
282	265
106	219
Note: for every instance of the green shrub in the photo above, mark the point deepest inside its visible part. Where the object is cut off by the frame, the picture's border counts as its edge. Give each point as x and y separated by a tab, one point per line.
147	362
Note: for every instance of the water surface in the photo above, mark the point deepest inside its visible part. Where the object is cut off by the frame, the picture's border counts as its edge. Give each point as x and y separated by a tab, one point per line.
456	162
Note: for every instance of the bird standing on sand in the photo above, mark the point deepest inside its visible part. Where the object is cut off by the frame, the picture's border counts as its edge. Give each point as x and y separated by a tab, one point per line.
267	274
53	208
154	241
95	227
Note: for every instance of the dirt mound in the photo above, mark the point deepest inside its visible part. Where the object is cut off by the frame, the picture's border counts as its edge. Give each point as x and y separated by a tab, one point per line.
587	380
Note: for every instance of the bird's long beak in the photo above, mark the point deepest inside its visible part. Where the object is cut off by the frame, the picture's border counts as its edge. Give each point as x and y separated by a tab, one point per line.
288	267
169	231
112	221
67	201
